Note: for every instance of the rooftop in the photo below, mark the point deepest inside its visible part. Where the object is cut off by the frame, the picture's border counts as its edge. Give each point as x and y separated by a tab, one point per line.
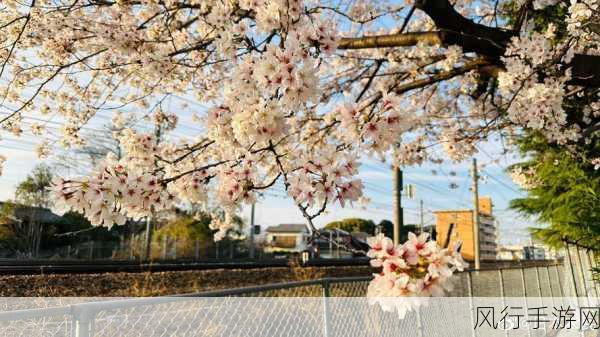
461	211
288	228
24	213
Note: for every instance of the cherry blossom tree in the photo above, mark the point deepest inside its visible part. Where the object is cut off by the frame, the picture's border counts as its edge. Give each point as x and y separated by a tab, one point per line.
298	91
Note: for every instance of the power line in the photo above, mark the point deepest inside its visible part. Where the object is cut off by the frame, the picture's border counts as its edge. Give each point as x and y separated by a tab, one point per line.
502	183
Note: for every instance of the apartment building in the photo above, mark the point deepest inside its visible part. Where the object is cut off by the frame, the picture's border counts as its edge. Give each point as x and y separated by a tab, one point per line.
453	226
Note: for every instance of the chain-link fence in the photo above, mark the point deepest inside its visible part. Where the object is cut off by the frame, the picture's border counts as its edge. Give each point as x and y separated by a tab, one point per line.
289	309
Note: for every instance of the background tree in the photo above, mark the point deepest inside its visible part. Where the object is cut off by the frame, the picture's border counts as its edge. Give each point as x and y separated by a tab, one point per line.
73	231
14	236
34	192
183	230
352	225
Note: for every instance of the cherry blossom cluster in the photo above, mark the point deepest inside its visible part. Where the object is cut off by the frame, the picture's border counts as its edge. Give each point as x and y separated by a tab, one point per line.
2	161
417	267
326	177
140	148
535	104
456	145
523	177
236	184
581	14
379	133
192	187
110	195
535	80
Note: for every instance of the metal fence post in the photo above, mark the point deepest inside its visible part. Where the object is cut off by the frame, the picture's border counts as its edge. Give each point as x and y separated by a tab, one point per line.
502	294
539	283
83	322
583	280
325	285
419	322
523	283
525	295
550	285
560	284
326	294
471	306
91	250
572	270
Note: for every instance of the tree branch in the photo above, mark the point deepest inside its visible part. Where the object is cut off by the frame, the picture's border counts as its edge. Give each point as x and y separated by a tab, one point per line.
471	36
585	70
454	29
441	76
392	40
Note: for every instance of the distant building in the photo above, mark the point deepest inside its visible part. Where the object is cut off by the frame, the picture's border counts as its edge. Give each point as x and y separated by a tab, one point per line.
25	214
457	225
510	253
549	252
534	253
286	238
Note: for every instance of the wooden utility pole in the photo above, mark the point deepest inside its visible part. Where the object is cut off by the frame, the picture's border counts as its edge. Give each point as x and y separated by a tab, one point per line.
398	214
251	246
475	215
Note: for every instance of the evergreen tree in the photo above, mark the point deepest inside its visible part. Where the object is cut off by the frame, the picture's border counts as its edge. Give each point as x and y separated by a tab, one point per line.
563	192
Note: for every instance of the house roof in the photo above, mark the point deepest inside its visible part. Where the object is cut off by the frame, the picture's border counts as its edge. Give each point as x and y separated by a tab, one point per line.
24	213
288	228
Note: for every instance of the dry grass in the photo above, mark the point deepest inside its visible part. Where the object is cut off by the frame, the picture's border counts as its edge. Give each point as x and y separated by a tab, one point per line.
163	283
300	273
